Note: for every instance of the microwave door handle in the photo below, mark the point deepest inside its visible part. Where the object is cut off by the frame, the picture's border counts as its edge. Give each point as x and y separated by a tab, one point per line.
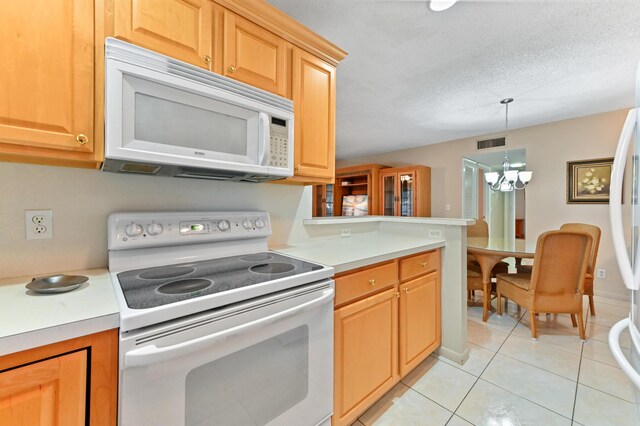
153	354
265	139
615	203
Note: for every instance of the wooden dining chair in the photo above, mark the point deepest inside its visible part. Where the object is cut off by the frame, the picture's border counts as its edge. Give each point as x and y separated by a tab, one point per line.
588	280
556	284
481	229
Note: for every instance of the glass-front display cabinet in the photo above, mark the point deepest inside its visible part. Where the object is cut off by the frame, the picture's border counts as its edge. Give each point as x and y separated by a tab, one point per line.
323	200
406	191
355	192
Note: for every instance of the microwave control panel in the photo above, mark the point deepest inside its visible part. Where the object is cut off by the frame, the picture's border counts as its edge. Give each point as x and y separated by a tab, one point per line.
278	146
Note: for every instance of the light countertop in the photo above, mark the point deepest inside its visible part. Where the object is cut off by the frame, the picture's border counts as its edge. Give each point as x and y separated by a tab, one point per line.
341	220
346	253
29	320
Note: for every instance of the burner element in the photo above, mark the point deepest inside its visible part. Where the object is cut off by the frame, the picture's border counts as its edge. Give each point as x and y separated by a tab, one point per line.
272	268
166	272
257	257
184	286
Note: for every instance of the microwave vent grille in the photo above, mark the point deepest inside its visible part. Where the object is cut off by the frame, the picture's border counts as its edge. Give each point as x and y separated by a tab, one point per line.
491	143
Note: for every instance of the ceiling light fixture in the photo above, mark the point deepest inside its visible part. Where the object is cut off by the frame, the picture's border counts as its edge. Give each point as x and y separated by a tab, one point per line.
509	179
440	5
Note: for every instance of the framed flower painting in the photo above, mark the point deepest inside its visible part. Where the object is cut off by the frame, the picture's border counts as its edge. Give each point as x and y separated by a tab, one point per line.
588	181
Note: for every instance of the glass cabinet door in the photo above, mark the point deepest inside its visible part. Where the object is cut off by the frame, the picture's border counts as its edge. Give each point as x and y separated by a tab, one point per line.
329	200
407	187
389	195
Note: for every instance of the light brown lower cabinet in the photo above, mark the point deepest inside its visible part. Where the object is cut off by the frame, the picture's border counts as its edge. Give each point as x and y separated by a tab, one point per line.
49	385
387	320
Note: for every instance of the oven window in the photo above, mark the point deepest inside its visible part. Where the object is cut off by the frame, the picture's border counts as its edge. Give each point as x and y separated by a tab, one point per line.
252	386
173	123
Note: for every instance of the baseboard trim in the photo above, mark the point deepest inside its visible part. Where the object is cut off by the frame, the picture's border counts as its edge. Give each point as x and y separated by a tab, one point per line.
454	356
611	295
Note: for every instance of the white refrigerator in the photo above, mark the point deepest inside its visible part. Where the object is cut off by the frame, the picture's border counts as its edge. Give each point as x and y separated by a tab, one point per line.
628	258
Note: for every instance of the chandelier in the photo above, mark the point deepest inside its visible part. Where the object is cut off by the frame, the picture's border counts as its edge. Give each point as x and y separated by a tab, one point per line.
510	178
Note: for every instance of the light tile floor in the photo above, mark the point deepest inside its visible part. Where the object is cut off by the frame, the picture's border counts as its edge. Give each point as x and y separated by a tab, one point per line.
511	379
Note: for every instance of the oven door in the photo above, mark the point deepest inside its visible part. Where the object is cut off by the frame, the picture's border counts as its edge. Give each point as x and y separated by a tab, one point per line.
261	362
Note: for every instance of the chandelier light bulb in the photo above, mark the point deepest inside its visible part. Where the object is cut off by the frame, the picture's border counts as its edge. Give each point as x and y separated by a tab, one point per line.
440	5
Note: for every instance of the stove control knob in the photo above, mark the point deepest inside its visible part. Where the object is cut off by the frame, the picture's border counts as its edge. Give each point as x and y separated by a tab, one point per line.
154	229
133	230
259	223
247	224
224	225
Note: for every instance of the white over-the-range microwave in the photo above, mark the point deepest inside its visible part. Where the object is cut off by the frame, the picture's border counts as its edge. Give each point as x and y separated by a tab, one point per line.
164	117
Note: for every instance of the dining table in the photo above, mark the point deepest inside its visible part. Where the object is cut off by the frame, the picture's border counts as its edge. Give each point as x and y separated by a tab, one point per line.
489	251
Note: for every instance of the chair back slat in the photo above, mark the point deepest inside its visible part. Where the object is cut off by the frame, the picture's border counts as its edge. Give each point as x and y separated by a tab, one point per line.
560	262
595	232
479	229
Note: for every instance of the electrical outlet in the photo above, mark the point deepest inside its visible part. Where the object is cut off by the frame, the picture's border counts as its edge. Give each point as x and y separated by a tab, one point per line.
601	273
346	232
435	233
39	224
447	206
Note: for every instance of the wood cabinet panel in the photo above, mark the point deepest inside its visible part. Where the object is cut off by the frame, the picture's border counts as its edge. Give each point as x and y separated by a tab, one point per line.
47	78
368	281
420	330
420	264
254	55
314	91
181	29
101	389
50	392
366	355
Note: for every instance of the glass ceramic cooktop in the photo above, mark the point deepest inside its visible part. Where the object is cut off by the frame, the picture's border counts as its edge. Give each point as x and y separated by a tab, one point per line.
161	285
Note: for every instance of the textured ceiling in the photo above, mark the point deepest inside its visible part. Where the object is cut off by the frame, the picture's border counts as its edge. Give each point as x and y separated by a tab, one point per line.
416	77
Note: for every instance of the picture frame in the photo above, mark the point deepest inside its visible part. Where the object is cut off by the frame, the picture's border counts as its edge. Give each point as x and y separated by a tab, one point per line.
588	181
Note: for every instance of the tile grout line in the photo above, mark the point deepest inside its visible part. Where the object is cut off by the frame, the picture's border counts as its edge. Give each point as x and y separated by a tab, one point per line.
483	370
575	395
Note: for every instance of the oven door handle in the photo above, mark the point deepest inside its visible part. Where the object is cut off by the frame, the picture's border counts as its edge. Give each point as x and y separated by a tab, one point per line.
153	354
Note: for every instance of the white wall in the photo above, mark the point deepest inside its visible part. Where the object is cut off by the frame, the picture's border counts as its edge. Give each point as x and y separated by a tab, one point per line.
548	148
82	200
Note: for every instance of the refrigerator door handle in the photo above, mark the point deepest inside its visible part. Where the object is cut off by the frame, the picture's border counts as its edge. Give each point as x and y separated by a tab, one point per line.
615	202
614	344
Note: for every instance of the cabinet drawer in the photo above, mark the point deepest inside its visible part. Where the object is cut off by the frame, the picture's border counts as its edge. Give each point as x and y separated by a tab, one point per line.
420	264
368	281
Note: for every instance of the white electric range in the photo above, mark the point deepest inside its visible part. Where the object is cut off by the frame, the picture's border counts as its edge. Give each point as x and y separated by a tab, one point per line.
215	328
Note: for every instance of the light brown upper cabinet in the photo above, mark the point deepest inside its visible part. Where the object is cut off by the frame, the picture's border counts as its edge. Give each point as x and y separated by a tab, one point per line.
52	73
254	55
314	104
182	29
406	191
47	82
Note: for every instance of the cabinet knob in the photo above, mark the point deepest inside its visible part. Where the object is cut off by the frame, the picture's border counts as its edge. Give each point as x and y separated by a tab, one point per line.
397	294
207	59
297	168
423	264
406	290
372	282
82	139
231	69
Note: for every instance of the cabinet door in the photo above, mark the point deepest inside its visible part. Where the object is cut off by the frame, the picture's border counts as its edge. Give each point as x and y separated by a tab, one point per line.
314	102
407	194
46	77
181	29
50	392
420	329
254	55
366	355
388	198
